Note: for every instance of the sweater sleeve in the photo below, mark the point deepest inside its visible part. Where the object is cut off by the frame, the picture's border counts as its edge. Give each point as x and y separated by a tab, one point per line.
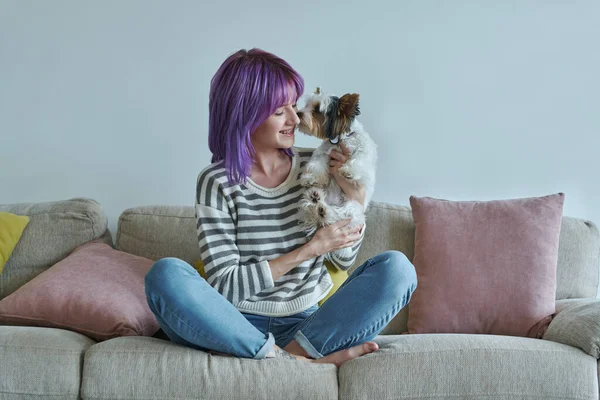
216	231
345	263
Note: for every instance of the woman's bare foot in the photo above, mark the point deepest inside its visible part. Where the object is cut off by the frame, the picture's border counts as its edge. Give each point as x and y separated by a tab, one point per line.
337	358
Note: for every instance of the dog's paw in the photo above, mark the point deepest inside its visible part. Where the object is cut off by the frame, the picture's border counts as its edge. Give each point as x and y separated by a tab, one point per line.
347	172
315	195
306	179
314	205
322	211
311	180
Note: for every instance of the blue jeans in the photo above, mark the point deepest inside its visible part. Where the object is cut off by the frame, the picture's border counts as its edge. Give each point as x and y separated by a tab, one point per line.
194	314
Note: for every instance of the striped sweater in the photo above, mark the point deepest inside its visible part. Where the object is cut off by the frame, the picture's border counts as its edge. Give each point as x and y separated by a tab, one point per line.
241	227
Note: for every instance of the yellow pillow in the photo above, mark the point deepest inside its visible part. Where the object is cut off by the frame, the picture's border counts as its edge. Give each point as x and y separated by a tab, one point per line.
199	266
11	229
337	277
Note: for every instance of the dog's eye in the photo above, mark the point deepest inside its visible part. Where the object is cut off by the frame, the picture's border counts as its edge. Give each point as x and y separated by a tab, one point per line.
316	108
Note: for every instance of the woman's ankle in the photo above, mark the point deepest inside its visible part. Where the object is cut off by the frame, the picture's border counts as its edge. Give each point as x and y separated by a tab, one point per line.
295	348
278	352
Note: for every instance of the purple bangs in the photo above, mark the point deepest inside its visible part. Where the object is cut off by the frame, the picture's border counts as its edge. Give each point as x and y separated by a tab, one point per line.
248	87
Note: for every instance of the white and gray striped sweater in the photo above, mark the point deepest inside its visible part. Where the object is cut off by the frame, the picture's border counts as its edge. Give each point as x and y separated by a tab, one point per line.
241	227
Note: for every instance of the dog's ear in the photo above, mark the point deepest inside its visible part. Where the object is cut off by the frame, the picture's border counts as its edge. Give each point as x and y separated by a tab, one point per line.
348	105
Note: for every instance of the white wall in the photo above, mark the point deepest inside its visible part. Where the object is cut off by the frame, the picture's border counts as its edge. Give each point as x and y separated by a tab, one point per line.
466	99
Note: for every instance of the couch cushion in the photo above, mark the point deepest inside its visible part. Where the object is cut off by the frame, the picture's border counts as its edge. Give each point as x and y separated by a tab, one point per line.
389	227
55	229
167	370
453	366
40	362
156	232
170	231
578	259
578	325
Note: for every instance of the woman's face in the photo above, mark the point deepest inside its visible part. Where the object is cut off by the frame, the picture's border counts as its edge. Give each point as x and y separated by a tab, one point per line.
277	131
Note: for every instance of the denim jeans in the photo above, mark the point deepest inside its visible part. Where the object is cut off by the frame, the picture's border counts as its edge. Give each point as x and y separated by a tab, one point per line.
194	314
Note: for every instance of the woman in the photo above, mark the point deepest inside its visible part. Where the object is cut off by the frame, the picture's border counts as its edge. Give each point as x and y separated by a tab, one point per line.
264	277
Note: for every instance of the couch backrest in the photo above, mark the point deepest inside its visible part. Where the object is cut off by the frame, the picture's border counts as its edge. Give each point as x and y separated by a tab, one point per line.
170	231
55	229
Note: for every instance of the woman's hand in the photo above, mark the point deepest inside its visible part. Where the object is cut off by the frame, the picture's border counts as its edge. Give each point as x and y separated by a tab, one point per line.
334	237
330	238
352	190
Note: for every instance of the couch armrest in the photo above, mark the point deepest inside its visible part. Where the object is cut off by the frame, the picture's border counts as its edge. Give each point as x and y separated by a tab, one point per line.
577	324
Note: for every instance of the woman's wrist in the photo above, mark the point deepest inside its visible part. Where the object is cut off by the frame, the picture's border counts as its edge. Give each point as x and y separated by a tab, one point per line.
281	265
310	250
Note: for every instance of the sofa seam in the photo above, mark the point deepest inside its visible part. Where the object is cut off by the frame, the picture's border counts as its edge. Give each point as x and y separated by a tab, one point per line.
598	267
80	370
87	215
42	394
118	236
477	396
45	348
137	398
472	350
151	214
92	350
55	212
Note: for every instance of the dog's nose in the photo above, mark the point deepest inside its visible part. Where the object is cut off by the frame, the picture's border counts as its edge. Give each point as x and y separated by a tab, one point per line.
300	114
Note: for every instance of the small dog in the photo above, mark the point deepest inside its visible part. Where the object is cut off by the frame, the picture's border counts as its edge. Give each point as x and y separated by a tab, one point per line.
323	203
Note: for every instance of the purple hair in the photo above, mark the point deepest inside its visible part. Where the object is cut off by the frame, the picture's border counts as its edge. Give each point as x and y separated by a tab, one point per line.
248	87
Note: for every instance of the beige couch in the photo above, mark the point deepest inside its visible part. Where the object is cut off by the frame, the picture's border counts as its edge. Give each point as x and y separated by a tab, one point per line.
38	363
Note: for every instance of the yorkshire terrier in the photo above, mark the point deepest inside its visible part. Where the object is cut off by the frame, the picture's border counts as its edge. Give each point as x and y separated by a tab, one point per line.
323	203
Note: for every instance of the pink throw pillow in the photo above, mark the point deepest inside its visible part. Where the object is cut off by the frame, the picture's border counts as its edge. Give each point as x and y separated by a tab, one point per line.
97	291
485	267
